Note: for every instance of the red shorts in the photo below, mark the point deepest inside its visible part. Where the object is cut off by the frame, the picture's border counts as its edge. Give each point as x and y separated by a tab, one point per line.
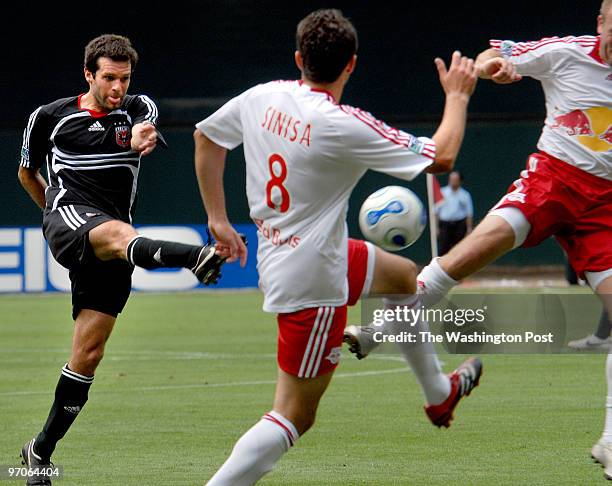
310	340
571	204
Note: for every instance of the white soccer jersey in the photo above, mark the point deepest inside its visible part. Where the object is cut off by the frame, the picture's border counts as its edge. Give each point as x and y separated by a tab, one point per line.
304	154
577	85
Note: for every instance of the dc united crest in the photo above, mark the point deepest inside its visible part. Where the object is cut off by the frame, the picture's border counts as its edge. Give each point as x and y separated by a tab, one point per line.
122	136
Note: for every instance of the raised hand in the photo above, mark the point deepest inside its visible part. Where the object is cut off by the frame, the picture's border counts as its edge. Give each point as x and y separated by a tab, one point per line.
460	77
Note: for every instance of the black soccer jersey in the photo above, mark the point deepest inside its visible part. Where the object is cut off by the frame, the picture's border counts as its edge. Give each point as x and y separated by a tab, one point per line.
88	154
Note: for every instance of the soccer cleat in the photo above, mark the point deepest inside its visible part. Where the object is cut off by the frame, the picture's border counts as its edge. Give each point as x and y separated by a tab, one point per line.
360	340
590	342
208	267
463	380
35	464
602	453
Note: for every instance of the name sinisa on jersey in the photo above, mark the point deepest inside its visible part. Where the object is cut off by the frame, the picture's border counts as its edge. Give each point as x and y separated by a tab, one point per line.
286	126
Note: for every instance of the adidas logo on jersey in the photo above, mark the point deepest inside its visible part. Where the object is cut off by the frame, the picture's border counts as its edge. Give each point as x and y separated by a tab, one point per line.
96	127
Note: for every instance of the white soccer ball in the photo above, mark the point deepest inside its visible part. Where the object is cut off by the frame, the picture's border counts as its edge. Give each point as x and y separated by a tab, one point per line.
393	218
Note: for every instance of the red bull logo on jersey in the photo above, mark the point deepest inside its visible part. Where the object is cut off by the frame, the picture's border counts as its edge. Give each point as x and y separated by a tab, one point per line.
122	136
574	123
592	127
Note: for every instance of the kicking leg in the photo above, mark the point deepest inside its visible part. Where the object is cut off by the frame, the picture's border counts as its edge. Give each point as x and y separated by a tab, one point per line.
497	234
118	240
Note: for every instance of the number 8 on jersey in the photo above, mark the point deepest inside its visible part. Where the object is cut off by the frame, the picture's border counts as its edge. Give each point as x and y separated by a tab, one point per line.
282	206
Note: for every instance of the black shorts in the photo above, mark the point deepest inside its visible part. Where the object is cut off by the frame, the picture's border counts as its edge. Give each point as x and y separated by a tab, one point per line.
102	286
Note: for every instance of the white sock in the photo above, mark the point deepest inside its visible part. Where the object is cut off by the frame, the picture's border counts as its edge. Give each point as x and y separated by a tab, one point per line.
256	452
607	432
421	356
434	283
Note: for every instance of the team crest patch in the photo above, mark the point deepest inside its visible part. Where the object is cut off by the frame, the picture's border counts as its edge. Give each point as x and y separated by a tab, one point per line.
122	136
334	355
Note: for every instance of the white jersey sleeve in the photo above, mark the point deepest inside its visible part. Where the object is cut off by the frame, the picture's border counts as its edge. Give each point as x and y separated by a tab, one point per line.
224	126
372	144
536	59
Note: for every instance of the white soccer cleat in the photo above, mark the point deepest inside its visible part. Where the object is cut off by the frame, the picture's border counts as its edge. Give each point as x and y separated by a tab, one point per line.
590	342
602	453
360	340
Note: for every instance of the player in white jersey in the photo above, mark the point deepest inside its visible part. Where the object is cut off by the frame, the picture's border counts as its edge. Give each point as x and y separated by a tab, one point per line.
566	189
304	154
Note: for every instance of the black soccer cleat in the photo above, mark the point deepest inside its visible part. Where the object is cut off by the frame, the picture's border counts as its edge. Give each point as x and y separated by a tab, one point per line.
208	267
37	466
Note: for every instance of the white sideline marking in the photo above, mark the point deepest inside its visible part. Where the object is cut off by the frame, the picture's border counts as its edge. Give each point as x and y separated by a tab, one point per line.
211	385
156	355
264	382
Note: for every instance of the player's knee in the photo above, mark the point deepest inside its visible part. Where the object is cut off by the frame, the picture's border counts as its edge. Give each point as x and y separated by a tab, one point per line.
304	421
409	276
404	277
111	239
88	358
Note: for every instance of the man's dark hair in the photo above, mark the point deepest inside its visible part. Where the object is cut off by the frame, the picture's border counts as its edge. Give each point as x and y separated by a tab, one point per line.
115	47
459	173
326	41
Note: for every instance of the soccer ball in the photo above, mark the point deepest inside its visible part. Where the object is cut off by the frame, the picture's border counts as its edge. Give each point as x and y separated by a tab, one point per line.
393	218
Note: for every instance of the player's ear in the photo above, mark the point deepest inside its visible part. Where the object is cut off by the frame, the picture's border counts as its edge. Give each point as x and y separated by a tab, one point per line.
299	62
89	77
600	24
350	67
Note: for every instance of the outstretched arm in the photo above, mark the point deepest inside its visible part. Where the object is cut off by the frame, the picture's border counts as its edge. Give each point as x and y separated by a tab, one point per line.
209	166
458	82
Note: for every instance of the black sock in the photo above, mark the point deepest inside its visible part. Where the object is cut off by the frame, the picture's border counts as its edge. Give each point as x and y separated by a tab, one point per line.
604	327
70	397
150	254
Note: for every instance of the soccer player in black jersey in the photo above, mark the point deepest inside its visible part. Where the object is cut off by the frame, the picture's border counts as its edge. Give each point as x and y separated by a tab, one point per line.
91	147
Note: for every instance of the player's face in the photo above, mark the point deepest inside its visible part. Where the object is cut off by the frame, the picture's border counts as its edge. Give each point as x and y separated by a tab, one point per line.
604	27
110	83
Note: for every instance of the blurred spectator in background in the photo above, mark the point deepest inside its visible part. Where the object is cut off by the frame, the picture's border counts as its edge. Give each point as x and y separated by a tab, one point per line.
455	213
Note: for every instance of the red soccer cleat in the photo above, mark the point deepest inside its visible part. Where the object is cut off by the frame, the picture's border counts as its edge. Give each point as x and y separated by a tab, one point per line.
463	380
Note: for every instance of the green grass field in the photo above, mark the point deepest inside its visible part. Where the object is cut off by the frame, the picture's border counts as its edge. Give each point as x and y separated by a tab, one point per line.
185	375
